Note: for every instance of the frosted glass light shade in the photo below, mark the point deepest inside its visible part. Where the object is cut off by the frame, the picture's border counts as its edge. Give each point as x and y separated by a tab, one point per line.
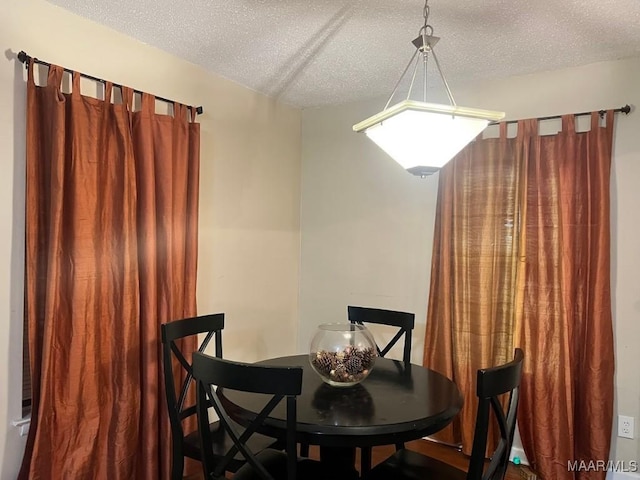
422	136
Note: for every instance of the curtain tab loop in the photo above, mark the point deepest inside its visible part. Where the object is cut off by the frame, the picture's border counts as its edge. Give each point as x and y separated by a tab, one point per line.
75	84
194	113
527	128
569	123
179	112
127	102
30	73
108	89
503	130
54	76
148	103
127	98
608	118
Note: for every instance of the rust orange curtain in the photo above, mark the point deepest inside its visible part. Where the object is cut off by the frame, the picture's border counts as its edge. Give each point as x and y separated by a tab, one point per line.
111	245
565	321
521	258
471	313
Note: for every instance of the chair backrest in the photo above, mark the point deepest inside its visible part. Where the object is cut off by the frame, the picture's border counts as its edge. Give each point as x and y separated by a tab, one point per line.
491	384
172	332
403	320
212	374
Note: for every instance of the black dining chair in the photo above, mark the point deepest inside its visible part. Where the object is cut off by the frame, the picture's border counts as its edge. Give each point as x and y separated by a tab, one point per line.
405	323
187	444
277	384
492	383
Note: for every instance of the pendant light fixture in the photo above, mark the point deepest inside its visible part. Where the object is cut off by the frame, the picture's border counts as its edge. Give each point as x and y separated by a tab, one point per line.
423	136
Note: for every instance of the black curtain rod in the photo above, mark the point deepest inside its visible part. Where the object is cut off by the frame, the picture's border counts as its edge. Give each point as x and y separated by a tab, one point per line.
626	109
24	58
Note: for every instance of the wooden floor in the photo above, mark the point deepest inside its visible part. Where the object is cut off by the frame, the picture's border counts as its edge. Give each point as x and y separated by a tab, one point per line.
443	452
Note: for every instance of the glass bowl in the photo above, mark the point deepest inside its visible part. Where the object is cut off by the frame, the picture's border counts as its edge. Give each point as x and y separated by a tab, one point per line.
343	354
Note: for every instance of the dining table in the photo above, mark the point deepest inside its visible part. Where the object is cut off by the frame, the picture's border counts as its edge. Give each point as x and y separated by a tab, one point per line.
396	403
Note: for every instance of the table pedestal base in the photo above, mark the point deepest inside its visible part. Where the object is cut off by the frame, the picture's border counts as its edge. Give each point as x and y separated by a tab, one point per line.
343	460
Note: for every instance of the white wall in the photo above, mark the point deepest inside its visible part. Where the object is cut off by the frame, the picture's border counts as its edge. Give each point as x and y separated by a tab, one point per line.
367	225
249	202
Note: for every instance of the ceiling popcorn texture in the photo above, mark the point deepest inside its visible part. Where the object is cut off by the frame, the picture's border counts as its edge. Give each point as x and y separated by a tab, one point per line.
324	52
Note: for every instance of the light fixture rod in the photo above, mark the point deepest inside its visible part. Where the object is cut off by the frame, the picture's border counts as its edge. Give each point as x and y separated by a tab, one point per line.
424	62
413	78
444	80
395	89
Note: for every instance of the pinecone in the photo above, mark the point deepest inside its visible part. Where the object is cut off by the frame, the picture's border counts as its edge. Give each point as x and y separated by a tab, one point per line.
353	365
340	372
348	352
368	356
323	361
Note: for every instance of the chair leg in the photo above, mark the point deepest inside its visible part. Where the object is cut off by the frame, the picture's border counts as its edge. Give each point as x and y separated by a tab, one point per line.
177	468
365	460
304	450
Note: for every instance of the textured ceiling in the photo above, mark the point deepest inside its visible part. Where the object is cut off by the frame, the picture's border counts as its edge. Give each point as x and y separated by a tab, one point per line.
312	53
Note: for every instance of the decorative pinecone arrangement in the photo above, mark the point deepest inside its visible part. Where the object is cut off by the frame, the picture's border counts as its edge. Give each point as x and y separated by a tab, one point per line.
347	366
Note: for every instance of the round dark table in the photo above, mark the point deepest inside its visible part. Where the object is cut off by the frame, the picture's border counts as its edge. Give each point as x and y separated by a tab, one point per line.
396	403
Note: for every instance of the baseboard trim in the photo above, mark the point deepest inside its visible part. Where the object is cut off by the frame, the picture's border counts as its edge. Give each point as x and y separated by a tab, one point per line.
518	452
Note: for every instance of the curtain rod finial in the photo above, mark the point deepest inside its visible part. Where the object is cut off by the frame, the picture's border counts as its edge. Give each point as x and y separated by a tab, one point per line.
23	57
